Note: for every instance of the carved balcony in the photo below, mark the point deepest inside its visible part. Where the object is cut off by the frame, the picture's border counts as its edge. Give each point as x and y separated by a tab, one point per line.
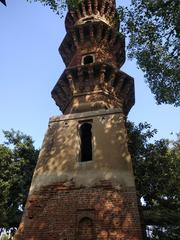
96	38
94	86
88	10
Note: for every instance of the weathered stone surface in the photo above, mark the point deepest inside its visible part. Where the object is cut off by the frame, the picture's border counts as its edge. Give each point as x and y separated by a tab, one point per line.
59	160
93	37
66	193
93	51
93	86
96	11
66	212
75	195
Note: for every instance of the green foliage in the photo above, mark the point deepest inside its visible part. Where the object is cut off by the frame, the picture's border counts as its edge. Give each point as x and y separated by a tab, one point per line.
153	31
58	6
17	161
157	167
6	236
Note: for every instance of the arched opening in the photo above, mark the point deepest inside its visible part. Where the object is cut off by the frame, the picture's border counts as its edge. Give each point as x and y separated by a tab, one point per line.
86	229
88	59
86	142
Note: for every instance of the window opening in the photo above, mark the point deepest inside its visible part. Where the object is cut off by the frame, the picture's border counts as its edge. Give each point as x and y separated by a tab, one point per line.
88	59
86	142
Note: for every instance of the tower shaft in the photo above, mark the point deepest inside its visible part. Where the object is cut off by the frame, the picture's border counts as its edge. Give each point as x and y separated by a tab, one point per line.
83	186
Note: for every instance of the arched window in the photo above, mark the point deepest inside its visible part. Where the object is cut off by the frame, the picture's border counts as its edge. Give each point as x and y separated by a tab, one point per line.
86	142
86	229
88	59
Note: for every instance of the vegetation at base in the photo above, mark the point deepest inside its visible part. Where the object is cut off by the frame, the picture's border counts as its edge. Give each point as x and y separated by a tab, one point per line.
156	167
18	157
5	235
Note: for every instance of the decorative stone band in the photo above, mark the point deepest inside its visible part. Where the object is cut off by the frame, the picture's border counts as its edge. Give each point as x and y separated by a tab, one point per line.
95	79
92	10
93	35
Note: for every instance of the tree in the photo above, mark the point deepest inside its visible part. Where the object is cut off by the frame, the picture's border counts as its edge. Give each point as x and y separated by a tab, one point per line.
157	167
153	31
18	157
6	236
58	6
152	28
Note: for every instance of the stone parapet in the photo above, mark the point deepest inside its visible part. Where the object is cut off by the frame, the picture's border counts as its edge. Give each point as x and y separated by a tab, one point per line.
96	10
93	37
93	86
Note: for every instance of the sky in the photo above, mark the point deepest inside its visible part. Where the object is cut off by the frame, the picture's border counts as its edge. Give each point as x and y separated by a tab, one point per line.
30	66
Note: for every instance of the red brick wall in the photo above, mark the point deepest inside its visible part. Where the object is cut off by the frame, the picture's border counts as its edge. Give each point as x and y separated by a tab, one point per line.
99	213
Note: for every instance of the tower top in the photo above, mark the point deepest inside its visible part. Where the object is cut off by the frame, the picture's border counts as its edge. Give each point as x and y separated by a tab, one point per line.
96	10
93	51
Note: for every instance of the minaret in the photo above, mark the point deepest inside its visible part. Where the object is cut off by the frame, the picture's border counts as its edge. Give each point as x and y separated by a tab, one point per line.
83	186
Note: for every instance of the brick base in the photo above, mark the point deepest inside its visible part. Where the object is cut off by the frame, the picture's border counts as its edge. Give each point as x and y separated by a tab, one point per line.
67	213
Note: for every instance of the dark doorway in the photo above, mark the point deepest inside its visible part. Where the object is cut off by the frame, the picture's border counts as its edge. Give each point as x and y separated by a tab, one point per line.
86	229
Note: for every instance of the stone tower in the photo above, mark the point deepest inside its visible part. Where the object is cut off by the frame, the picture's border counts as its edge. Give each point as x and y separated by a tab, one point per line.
83	185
